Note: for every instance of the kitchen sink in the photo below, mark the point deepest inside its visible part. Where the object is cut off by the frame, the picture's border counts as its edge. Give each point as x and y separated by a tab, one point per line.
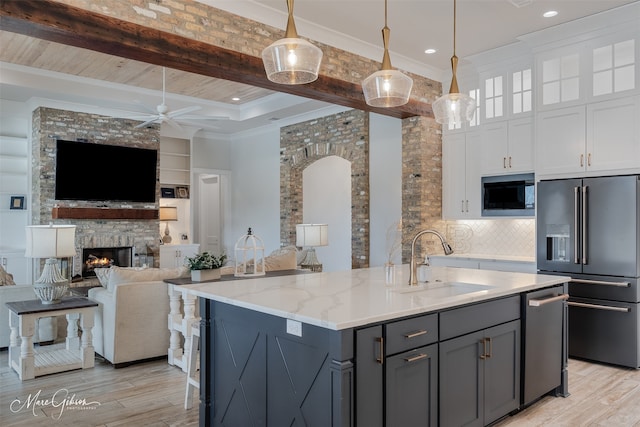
442	289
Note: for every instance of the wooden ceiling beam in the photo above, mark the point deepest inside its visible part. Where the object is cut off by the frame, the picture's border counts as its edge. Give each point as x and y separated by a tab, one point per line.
60	23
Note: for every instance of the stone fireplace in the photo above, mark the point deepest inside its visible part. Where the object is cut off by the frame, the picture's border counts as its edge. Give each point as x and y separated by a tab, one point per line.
105	257
49	125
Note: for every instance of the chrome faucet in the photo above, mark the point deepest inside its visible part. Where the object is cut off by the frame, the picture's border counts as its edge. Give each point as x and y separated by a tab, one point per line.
412	263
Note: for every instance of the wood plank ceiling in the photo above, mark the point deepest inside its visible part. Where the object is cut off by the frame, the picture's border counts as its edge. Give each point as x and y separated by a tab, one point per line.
28	51
121	41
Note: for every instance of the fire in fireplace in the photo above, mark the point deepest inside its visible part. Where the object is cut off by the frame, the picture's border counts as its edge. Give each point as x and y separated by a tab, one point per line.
105	257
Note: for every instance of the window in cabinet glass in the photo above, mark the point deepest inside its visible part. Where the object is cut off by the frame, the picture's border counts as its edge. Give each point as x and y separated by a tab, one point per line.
521	84
614	68
493	97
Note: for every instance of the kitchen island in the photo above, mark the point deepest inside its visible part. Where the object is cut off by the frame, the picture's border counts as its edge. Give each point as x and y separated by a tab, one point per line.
346	349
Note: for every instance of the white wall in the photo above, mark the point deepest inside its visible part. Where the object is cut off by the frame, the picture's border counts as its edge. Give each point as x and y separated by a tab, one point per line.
255	198
385	183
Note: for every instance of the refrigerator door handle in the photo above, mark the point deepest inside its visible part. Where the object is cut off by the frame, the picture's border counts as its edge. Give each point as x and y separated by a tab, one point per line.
576	225
585	219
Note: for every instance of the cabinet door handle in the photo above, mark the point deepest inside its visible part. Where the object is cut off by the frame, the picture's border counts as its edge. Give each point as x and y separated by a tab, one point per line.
504	163
416	358
380	358
509	162
581	160
599	307
467	203
589	159
461	205
415	334
539	302
484	342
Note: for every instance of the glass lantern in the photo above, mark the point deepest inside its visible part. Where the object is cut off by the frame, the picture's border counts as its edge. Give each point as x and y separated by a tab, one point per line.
249	254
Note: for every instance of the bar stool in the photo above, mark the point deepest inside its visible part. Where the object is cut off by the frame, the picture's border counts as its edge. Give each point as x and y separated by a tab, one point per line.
193	365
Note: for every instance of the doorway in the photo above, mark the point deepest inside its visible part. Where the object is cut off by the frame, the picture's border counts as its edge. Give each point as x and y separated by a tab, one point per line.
210	208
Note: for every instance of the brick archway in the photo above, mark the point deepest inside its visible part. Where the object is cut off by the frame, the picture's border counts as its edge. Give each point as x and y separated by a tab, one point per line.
345	135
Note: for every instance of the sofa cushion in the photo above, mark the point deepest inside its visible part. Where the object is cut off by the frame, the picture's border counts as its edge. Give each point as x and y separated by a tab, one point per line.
120	275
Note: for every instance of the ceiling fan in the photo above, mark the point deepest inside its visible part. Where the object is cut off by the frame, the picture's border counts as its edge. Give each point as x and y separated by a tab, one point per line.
163	114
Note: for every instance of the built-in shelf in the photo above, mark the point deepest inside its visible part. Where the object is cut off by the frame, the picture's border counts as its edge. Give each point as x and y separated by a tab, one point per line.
103	213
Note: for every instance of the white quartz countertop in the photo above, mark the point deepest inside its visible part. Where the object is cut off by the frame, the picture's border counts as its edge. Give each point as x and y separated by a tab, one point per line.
352	298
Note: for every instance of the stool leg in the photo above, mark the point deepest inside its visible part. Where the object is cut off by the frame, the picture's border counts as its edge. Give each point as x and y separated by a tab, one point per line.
193	376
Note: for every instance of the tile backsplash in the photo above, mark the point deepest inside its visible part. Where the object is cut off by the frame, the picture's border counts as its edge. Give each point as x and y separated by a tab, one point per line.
513	237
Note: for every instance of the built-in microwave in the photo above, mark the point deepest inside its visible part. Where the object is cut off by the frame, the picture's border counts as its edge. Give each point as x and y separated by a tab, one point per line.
508	195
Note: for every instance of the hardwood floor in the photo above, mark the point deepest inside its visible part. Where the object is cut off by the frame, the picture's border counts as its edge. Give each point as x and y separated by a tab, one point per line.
601	395
145	394
152	394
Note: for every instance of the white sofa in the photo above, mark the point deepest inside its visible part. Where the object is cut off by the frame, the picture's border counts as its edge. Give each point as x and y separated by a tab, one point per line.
47	329
131	320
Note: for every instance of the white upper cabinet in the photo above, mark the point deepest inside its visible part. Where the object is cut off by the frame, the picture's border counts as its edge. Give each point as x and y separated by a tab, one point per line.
580	73
507	147
601	137
461	175
560	141
613	135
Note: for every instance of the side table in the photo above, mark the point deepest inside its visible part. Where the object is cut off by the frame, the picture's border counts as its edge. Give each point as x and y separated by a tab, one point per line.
76	353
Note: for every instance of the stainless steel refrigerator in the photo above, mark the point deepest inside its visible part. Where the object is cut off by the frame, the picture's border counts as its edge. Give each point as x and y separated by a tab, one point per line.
589	229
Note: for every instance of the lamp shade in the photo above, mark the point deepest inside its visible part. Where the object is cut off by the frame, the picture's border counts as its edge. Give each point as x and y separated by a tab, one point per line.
168	213
312	235
50	241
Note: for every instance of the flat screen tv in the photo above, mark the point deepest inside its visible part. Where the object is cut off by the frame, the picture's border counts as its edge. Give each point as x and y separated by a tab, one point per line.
101	172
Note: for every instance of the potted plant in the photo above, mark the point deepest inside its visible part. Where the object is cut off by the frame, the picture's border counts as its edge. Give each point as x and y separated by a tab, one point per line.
205	266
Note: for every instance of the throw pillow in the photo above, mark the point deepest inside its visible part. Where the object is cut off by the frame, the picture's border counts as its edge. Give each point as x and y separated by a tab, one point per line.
6	279
120	275
103	276
281	259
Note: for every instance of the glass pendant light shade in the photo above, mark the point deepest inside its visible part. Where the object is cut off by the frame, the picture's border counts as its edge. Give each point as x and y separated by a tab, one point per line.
454	108
291	60
387	87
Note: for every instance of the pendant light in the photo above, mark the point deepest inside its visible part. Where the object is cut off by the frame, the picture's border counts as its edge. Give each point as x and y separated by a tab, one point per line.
387	87
454	108
291	60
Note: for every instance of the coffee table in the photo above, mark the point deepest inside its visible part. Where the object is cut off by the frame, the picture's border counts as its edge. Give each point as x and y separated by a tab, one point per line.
76	353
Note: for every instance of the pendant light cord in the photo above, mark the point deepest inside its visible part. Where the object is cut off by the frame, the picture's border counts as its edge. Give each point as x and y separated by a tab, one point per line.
454	27
385	13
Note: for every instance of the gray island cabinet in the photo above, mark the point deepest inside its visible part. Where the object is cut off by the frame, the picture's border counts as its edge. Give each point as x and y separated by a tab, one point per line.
344	349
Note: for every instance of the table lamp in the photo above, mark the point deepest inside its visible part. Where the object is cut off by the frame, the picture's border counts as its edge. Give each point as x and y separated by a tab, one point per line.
312	235
51	242
168	213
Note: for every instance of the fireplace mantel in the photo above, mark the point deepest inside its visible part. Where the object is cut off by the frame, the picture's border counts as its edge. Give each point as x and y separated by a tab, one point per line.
103	213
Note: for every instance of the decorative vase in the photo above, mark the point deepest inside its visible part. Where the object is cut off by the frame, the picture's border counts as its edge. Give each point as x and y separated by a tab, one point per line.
51	293
389	273
205	275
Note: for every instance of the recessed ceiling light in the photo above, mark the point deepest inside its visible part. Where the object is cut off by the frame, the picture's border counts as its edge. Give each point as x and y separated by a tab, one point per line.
235	98
550	14
430	51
